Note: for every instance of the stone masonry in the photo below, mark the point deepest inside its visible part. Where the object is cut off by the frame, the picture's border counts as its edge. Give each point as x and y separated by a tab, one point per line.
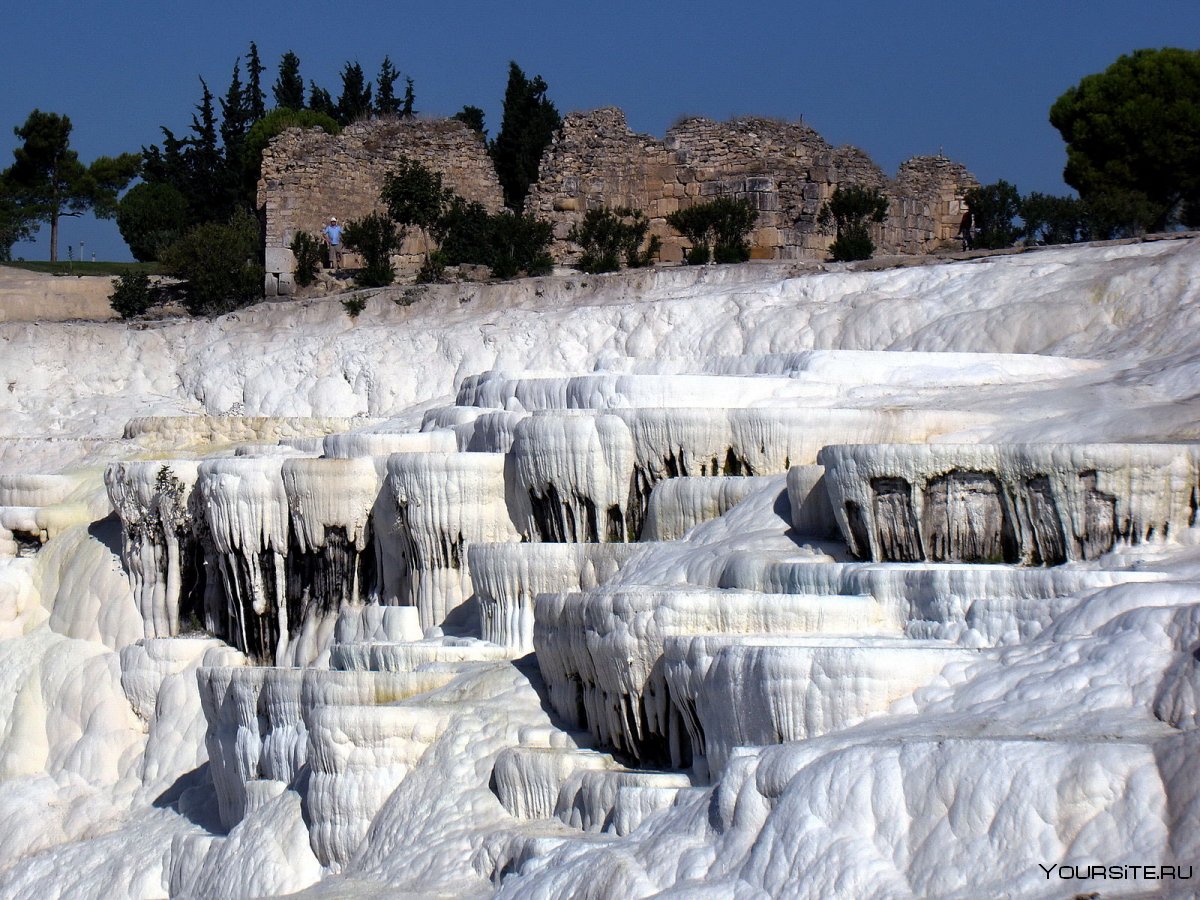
785	168
308	176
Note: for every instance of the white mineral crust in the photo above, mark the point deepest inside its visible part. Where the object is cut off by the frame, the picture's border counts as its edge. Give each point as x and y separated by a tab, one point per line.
720	581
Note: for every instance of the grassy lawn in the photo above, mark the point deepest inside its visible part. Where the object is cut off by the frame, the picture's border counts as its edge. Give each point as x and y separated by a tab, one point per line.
84	268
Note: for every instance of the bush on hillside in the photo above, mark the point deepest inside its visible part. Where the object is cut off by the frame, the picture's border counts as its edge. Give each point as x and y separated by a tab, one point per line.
717	229
307	252
850	212
219	265
376	237
132	294
993	209
608	235
518	244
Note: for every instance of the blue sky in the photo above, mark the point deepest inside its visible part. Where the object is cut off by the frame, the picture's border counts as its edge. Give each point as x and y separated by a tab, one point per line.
897	79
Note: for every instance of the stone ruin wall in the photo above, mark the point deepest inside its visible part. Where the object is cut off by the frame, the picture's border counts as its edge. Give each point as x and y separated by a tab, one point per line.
786	169
308	176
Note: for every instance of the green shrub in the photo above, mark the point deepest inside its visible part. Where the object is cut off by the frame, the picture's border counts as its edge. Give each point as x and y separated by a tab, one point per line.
849	212
732	221
853	243
415	195
506	243
722	224
467	234
132	294
276	122
219	265
307	250
376	238
353	306
150	218
694	223
1116	213
518	244
608	235
433	268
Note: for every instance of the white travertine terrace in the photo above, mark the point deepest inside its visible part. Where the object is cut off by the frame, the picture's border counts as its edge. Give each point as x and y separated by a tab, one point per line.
354	444
374	622
756	690
184	431
529	780
443	501
508	577
154	501
600	651
677	504
1028	503
573	470
709	581
808	500
971	604
246	509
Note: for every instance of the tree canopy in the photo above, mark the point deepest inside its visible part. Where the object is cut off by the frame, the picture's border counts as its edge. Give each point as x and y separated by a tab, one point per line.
1133	137
47	180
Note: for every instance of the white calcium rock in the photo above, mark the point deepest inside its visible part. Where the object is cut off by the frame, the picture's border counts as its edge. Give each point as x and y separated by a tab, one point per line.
507	577
444	501
1028	503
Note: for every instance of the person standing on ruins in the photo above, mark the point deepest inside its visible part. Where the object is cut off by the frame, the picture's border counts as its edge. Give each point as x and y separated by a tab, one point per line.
333	240
965	229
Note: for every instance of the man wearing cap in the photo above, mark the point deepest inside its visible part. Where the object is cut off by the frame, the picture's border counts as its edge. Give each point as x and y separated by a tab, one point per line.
333	239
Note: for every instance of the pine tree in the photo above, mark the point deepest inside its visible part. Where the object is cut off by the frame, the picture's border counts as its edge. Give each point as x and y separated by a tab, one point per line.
355	101
528	126
289	86
386	102
47	181
255	100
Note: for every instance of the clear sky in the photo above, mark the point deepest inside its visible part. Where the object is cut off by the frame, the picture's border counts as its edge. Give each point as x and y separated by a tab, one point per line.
973	79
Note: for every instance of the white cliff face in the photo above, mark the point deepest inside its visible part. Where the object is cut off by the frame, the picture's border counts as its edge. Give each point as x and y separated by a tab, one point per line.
703	582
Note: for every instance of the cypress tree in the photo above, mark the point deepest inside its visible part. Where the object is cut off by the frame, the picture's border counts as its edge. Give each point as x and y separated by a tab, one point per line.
406	111
386	102
528	126
235	117
206	170
355	101
320	101
255	100
289	86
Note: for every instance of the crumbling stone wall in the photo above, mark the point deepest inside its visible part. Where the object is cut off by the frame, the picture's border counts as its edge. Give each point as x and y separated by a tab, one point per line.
308	176
786	169
926	205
